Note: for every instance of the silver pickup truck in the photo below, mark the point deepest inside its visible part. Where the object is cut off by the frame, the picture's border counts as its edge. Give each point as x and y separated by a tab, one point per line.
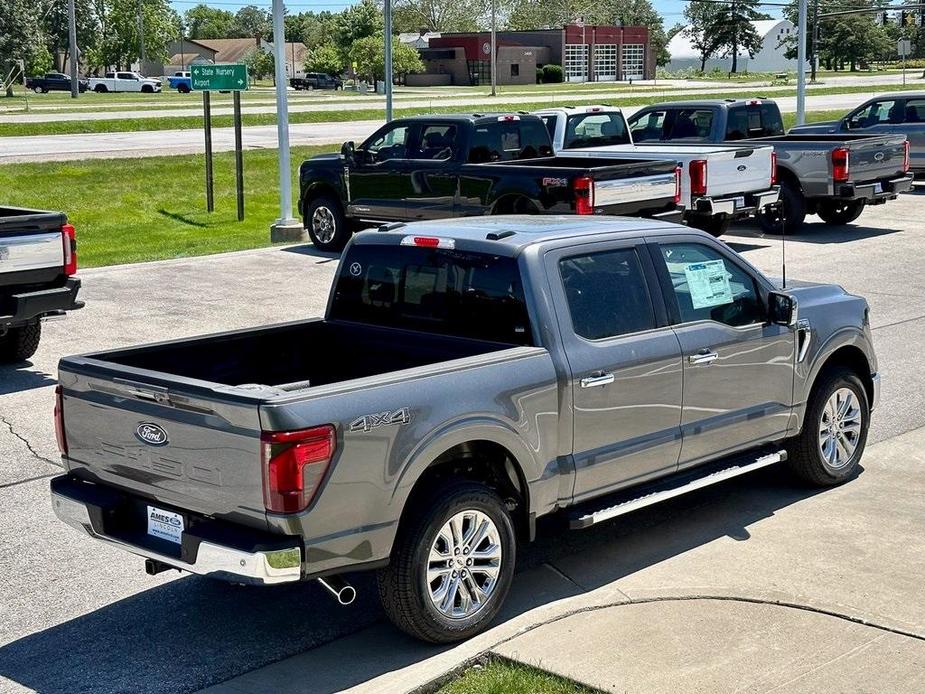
38	261
469	377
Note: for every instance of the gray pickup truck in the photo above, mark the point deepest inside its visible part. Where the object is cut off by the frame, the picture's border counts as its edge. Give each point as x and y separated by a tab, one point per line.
38	263
469	377
833	176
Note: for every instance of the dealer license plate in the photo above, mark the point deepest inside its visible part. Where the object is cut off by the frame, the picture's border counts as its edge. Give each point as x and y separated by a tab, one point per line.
166	525
739	202
878	187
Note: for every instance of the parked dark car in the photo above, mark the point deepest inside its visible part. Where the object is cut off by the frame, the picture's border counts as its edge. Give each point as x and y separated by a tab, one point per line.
316	80
54	82
887	114
434	167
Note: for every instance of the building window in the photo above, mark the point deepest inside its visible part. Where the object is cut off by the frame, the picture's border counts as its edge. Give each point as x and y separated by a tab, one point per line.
634	59
576	62
515	70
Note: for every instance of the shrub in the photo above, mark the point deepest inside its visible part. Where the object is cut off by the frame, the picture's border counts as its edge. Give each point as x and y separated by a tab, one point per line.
539	75
552	73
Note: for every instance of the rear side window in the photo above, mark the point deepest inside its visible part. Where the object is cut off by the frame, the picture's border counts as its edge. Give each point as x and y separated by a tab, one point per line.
595	130
435	290
438	142
509	140
607	294
691	123
759	120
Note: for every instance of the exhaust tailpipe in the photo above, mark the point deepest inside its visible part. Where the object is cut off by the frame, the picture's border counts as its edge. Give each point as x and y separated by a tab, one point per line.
339	588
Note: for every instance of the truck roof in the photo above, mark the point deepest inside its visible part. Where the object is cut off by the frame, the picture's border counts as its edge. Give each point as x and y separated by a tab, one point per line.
526	230
474	118
698	103
584	108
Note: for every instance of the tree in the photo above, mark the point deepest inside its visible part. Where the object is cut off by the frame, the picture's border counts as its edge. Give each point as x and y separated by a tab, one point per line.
260	63
54	25
119	43
358	21
20	35
847	40
441	15
369	55
701	17
324	58
252	22
732	30
204	22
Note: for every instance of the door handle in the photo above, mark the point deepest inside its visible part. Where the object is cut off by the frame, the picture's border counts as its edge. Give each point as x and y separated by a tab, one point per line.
598	379
703	358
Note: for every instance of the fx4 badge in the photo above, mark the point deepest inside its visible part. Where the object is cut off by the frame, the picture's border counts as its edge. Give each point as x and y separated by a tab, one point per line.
381	419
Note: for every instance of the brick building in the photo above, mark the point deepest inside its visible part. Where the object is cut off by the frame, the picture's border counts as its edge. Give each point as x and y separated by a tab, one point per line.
586	54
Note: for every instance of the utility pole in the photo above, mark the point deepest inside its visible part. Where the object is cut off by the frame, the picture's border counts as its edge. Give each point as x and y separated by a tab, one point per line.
801	65
388	60
815	44
494	48
141	38
72	47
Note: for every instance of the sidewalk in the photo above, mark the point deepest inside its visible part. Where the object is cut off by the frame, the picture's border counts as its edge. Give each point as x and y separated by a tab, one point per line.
756	584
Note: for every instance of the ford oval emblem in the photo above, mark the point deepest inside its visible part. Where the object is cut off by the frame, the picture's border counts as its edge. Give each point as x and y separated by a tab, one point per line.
741	167
151	434
879	156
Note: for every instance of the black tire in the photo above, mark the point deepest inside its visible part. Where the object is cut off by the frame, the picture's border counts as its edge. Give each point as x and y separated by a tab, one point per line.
147	89
19	344
38	90
838	214
804	452
101	89
403	587
794	210
183	89
716	225
327	226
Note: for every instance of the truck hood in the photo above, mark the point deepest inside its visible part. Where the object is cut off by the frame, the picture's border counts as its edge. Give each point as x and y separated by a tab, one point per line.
814	297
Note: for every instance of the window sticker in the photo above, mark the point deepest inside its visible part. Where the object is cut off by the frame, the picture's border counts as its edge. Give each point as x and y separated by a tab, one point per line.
708	283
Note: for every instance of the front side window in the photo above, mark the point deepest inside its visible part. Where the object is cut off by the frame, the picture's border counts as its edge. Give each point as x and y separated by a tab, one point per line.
391	143
607	294
648	126
875	113
595	130
709	286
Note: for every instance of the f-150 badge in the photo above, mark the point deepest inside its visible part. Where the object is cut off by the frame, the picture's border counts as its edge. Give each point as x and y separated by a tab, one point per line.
381	419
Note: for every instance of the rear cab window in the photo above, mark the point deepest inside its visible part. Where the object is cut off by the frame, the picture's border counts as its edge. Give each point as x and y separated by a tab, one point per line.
753	120
434	290
595	130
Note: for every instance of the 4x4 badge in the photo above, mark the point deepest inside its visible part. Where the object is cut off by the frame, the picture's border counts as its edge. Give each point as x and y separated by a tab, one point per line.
381	419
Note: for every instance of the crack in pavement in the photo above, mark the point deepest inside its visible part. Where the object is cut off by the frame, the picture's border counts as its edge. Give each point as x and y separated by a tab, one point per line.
26	443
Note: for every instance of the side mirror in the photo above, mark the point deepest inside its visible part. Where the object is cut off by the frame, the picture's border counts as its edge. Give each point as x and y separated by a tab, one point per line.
348	152
782	309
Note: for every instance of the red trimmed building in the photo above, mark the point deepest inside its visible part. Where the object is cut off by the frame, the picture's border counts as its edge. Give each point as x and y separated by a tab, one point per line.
586	54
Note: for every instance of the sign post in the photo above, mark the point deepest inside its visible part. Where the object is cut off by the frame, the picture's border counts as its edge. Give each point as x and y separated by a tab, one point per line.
230	77
904	47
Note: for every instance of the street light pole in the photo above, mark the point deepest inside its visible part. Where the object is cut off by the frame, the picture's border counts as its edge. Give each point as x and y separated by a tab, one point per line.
388	60
286	228
494	48
72	47
141	39
801	64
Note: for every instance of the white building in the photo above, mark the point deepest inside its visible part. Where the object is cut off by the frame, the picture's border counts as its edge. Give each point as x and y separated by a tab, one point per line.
769	59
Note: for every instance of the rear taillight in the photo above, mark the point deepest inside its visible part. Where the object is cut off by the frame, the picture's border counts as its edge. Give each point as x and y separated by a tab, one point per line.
59	420
69	241
907	164
584	195
773	168
295	463
698	174
677	185
840	164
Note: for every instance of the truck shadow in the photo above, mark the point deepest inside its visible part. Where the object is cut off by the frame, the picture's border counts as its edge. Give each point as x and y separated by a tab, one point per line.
193	632
15	378
814	231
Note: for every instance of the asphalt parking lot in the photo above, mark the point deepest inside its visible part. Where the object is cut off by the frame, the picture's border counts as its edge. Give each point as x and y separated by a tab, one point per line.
79	616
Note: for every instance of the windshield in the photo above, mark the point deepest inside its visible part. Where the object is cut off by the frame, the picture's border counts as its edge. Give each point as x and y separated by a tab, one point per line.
435	290
595	130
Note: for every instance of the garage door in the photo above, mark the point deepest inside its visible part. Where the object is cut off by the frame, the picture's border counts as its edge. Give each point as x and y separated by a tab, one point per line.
634	59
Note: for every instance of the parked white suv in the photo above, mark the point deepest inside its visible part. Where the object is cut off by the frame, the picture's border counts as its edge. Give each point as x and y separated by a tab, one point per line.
125	82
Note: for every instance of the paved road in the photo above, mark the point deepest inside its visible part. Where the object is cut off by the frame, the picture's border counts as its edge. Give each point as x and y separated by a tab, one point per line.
78	616
158	143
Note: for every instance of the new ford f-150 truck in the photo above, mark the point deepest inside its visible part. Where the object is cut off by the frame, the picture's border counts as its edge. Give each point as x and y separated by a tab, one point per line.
833	176
719	183
469	377
434	167
38	261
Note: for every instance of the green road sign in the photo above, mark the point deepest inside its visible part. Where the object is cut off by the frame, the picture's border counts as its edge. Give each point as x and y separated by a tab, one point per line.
223	77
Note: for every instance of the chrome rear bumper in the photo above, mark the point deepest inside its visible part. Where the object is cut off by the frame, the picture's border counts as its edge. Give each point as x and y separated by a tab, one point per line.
263	567
749	203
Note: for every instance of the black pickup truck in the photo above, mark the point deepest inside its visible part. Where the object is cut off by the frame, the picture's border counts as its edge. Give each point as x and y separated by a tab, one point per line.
54	82
434	167
38	260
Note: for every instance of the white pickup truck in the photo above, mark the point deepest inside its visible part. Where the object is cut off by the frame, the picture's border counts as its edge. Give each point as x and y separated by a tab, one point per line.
719	183
124	82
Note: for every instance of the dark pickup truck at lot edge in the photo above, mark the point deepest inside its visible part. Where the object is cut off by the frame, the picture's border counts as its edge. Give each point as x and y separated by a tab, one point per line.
54	82
470	376
436	167
833	176
38	261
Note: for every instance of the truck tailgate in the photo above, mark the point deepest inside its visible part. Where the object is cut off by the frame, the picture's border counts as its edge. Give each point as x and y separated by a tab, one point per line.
30	240
176	443
876	157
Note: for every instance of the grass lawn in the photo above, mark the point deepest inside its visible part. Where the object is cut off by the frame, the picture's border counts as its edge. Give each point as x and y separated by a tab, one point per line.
186	122
132	210
129	210
502	677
